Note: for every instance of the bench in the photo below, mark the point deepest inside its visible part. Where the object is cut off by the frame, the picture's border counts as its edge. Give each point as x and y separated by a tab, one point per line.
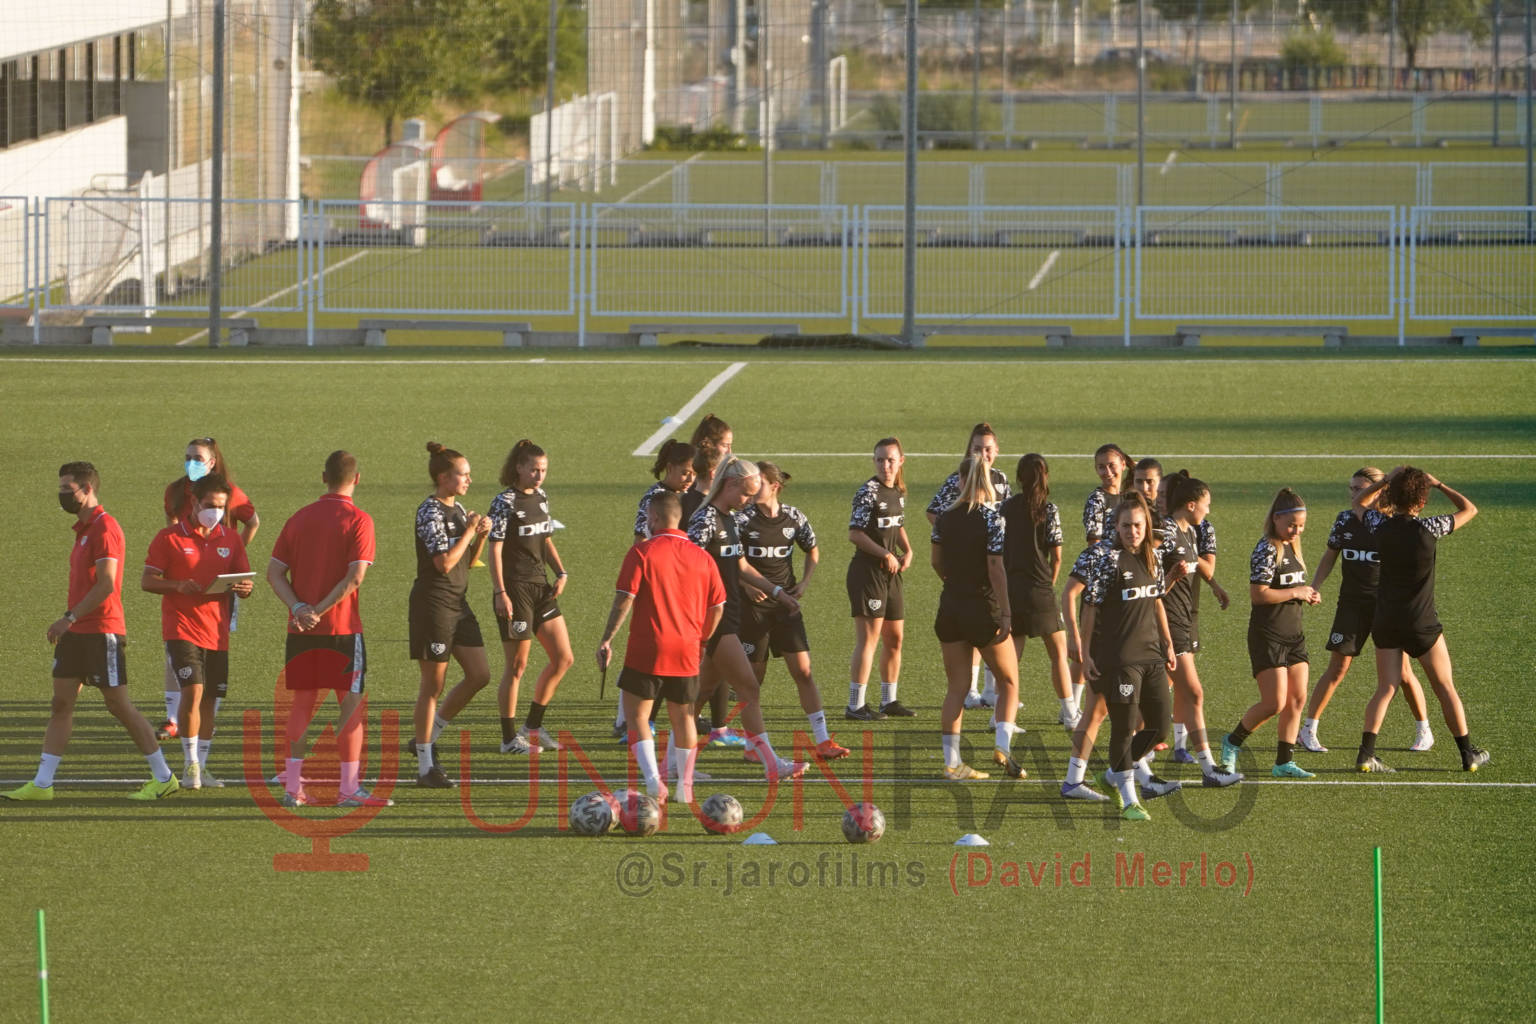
648	333
104	324
1333	334
375	332
1055	336
1468	336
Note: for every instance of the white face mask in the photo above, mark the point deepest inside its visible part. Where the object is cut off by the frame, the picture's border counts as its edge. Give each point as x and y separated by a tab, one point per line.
208	518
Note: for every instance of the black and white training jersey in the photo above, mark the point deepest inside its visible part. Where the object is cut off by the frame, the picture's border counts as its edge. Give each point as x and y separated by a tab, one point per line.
770	542
966	536
879	512
521	522
693	500
1279	622
1406	595
1205	538
951	490
716	533
438	528
1099	515
1029	544
1180	544
1360	564
642	528
1125	592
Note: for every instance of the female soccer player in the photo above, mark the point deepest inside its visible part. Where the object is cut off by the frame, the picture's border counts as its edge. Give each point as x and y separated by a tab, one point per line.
1093	709
705	460
523	600
881	553
1356	611
1130	651
1189	504
1405	621
713	432
713	528
771	531
1277	647
673	470
203	458
441	622
982	444
974	615
1110	463
1032	556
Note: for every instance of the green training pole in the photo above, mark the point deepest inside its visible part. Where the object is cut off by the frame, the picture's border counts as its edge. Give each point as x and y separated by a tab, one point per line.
1381	1006
42	966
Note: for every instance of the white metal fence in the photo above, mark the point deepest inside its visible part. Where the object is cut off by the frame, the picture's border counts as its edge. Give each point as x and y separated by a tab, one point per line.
835	265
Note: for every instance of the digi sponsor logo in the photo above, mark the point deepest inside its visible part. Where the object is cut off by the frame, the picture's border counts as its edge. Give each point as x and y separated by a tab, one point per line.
888	522
755	551
1353	555
537	529
730	550
1139	593
1292	579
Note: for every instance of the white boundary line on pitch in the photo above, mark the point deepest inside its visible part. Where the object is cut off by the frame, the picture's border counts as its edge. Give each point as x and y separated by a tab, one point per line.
1045	268
648	446
1023	363
277	295
663	176
850	781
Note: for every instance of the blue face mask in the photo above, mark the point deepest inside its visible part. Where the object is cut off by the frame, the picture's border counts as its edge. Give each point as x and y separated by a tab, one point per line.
196	470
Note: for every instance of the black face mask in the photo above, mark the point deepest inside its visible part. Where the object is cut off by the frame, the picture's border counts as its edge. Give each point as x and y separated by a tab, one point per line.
70	502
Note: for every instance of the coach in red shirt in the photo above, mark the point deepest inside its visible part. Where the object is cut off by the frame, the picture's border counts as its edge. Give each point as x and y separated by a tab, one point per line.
183	567
89	640
678	598
317	566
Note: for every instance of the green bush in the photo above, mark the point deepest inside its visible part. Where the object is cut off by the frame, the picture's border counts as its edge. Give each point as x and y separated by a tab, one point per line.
716	138
937	112
1308	48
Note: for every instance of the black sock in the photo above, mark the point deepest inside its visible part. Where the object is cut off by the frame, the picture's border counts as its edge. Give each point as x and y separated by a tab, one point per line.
717	708
1367	747
1464	744
1238	735
535	715
1283	752
508	729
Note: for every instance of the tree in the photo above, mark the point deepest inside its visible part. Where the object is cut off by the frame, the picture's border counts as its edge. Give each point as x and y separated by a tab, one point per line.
519	39
1417	20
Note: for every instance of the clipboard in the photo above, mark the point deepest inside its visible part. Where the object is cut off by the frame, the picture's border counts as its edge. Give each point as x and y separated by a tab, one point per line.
225	582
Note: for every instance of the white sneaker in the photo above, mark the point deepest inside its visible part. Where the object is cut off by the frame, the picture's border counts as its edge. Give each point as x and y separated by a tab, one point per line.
210	781
517	745
1425	740
1307	740
193	777
973	701
538	738
786	769
658	790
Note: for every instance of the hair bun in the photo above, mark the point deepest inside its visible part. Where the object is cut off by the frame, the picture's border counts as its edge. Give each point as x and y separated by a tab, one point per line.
433	447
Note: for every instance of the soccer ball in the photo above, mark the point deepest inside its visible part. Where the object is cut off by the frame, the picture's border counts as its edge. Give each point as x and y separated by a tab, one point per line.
722	813
640	814
591	815
863	823
614	809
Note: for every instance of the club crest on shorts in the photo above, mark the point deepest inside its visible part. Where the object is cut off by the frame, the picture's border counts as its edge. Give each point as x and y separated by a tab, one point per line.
519	627
1126	689
749	648
185	672
1336	638
874	604
439	648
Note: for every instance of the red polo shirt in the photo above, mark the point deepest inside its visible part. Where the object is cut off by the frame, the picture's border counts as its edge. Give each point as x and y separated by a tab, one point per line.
179	503
100	537
674	583
317	546
181	553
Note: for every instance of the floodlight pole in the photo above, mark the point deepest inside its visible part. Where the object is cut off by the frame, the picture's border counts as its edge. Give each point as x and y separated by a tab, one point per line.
1141	102
1498	27
975	74
1232	81
909	190
549	101
1530	123
216	192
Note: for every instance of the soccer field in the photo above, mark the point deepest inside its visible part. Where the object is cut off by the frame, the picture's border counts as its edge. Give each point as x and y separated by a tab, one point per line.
479	904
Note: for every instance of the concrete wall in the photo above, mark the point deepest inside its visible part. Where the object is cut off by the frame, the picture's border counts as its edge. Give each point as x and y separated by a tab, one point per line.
62	165
29	25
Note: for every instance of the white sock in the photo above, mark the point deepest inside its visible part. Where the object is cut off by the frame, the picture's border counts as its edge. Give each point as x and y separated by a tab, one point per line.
1180	736
1068	709
619	719
292	779
887	693
1125	783
203	746
1207	762
1077	694
686	758
189	750
818	720
975	672
764	748
671	754
158	766
1002	736
349	773
1423	724
438	725
645	756
423	758
172	704
1077	770
1309	724
1143	770
951	749
856	696
990	689
47	764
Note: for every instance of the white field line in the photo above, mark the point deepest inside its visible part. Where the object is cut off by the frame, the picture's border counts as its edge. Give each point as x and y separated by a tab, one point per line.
235	781
1173	155
663	176
648	446
258	361
278	294
1045	268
